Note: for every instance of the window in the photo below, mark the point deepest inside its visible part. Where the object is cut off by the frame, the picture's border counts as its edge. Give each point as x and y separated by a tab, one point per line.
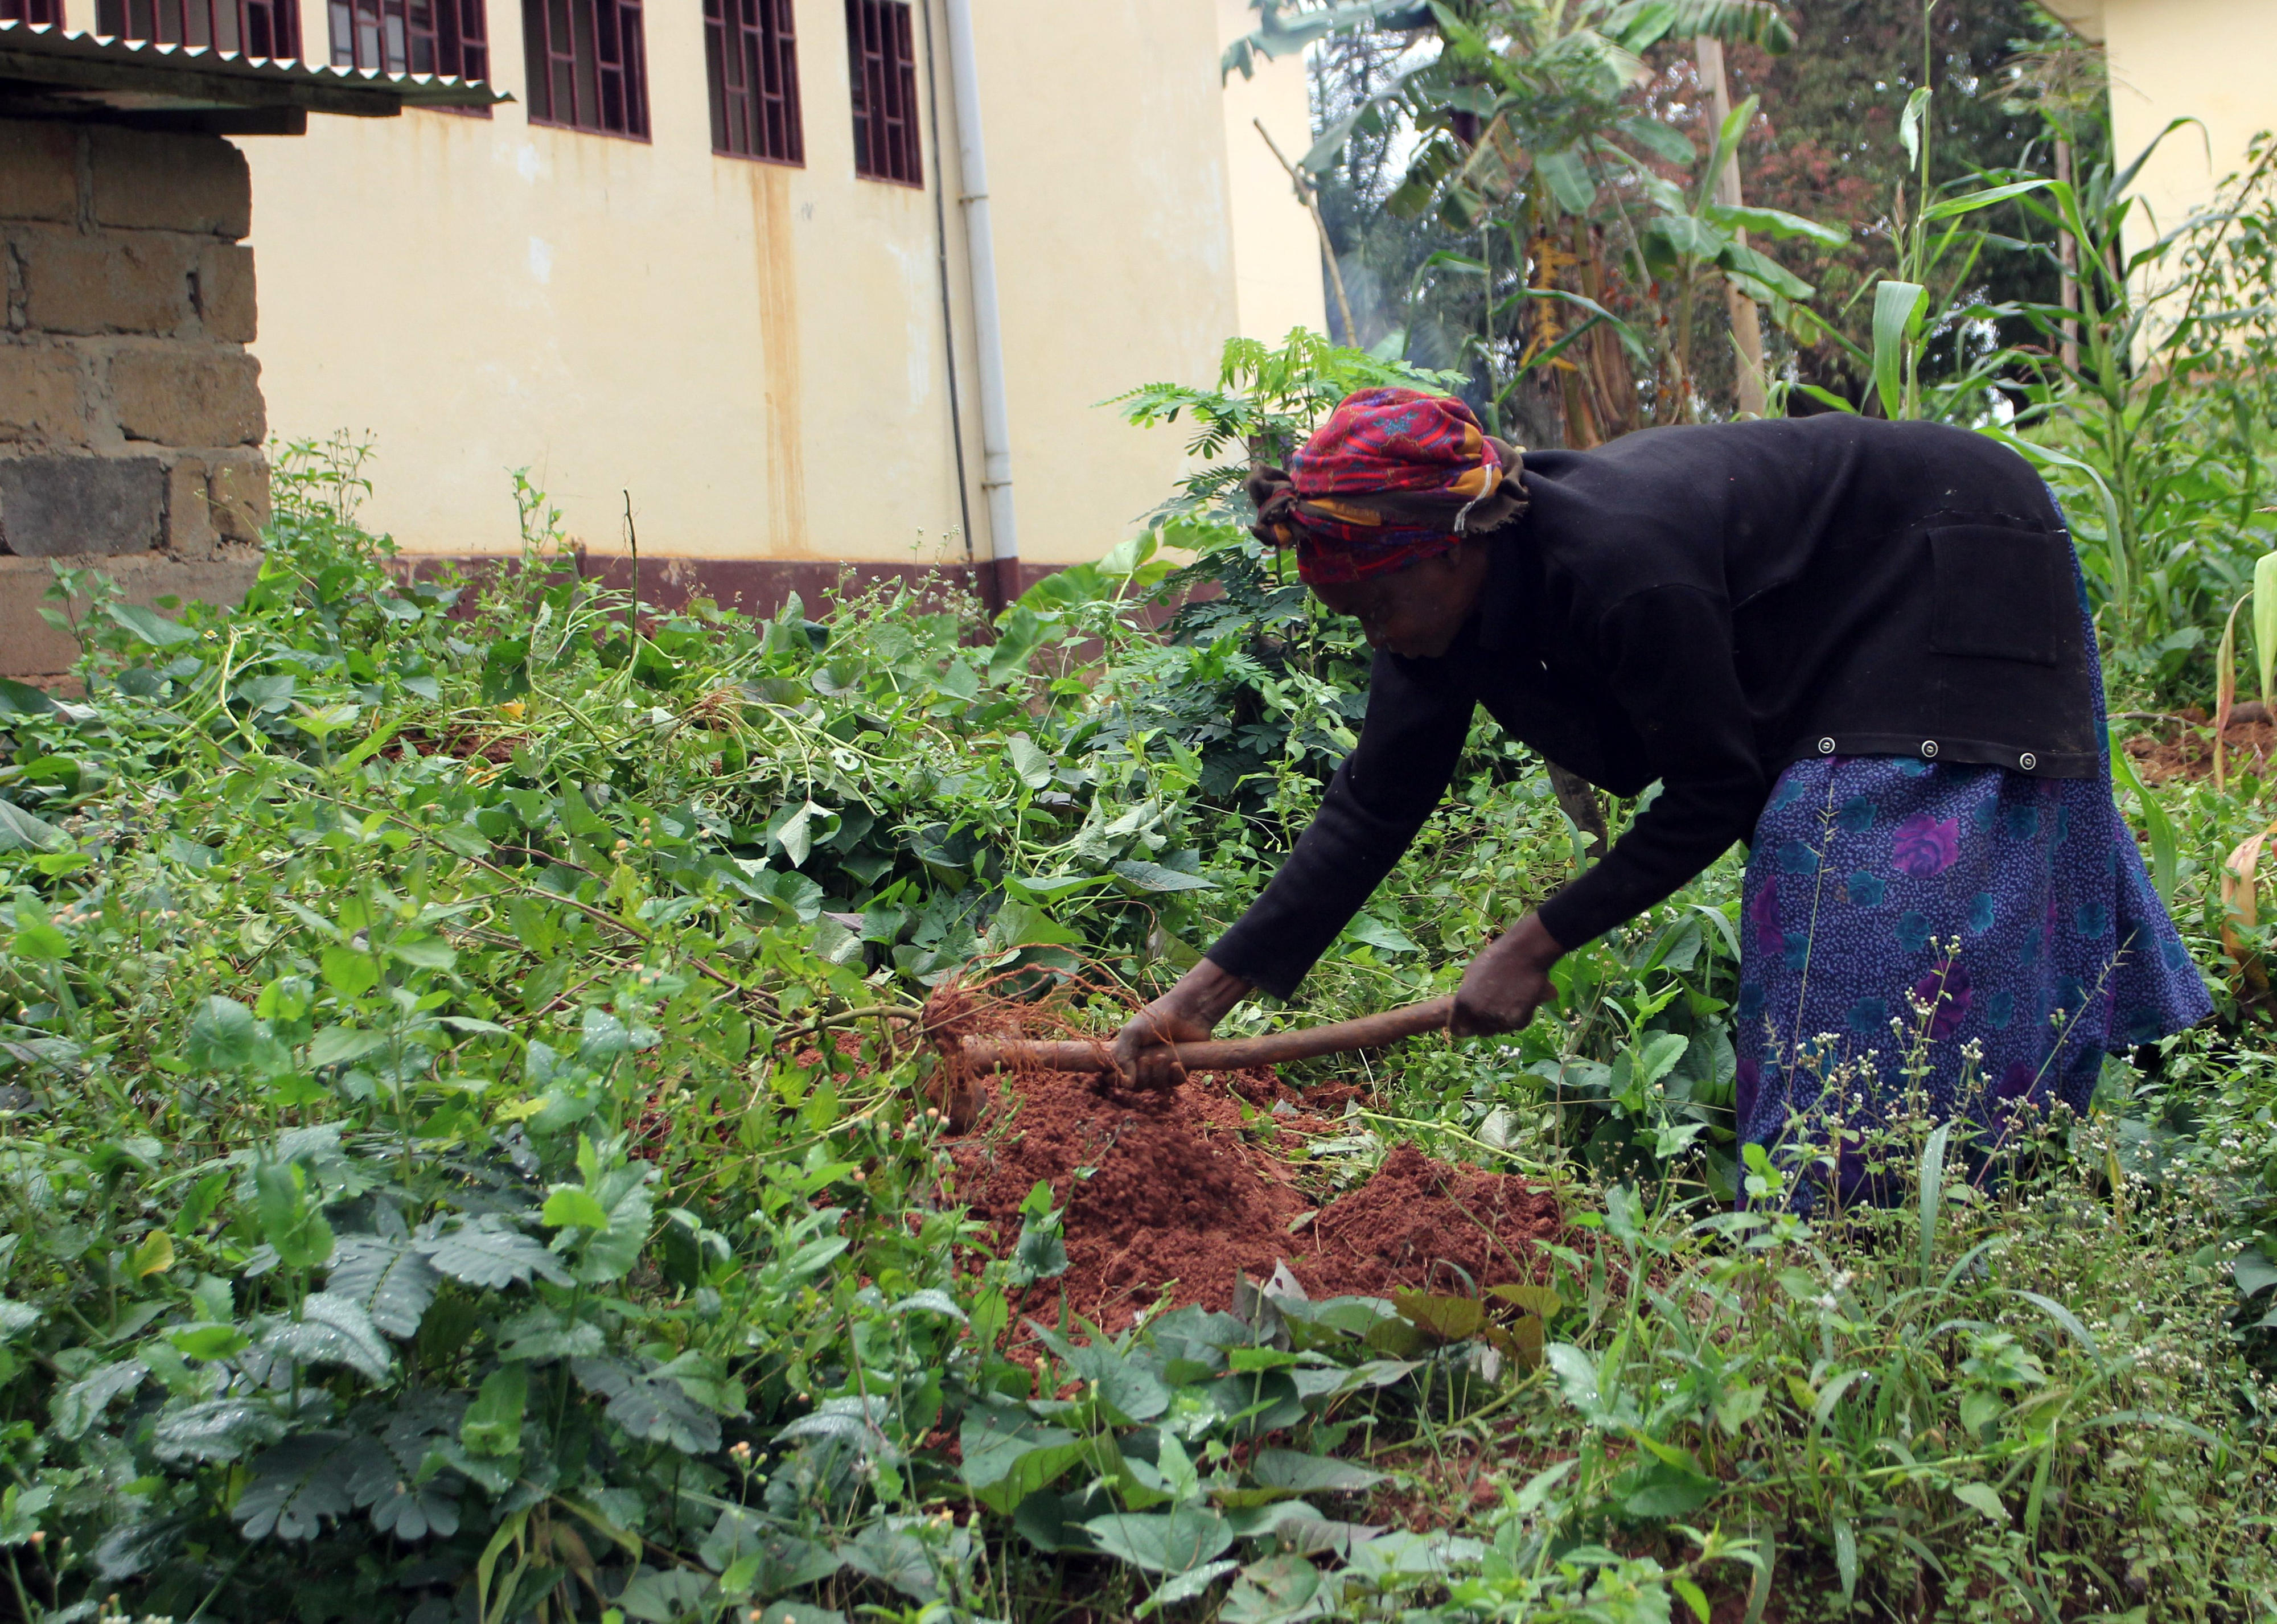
34	11
587	70
753	61
270	28
449	37
885	66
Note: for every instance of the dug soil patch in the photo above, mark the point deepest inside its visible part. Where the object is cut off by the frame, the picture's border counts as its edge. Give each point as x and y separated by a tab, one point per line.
2181	747
1167	1195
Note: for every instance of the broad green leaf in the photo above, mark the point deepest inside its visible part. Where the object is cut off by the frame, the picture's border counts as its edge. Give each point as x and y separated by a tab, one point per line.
2253	1273
1442	1319
1566	173
569	1204
1308	1474
492	1424
1774	223
20	831
208	1341
1536	1300
1032	766
22	699
154	1256
1685	236
1008	1456
1660	1492
1173	1542
1155	877
337	1046
148	625
1273	1591
425	951
1384	938
1018	635
292	1219
1981	1497
350	971
221	1037
1759	267
1658	1056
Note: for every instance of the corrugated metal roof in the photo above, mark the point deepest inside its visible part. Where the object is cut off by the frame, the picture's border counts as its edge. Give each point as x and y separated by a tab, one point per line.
139	79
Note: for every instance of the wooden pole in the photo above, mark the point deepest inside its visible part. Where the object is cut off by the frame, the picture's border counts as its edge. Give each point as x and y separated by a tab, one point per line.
1746	323
1310	198
1216	1054
2067	258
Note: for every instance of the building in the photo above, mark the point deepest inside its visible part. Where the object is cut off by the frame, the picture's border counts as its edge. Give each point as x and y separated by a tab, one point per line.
2170	59
718	255
131	414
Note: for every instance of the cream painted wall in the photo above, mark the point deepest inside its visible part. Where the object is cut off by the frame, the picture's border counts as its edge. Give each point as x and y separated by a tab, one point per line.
756	350
1276	254
1114	254
2181	58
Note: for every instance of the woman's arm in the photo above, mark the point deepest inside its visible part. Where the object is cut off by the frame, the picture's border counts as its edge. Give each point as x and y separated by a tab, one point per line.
1417	720
1418	717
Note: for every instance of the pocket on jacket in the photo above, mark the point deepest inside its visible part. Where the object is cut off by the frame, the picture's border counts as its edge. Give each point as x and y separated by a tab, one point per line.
1998	593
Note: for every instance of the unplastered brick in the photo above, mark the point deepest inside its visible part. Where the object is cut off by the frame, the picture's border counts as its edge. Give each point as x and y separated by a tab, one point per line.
225	291
62	506
237	494
43	393
90	282
190	531
187	395
38	171
149	180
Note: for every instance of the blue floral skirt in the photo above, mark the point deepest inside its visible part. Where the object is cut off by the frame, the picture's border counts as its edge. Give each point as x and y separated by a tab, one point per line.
1981	936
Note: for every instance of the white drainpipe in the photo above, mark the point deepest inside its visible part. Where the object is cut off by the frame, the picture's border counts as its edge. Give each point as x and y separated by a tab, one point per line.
989	334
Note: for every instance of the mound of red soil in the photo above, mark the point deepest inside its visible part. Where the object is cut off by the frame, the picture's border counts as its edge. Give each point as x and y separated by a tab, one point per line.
1416	1222
1164	1196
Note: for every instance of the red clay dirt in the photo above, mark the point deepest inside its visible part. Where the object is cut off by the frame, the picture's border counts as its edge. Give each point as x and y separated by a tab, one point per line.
2181	746
1165	1197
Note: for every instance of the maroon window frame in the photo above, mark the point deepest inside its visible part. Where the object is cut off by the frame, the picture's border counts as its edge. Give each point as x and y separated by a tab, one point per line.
260	29
881	51
588	67
446	37
39	13
752	57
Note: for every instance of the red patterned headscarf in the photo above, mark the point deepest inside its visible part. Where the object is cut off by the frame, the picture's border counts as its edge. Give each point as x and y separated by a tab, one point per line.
1393	477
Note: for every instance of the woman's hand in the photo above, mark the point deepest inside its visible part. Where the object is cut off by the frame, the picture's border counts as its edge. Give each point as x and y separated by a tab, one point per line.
1182	1015
1507	982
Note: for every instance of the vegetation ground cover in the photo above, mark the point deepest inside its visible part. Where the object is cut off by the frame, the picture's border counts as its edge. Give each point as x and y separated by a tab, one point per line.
470	1153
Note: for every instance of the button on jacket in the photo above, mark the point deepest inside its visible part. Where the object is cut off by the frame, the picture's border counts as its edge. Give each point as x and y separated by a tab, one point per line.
1702	606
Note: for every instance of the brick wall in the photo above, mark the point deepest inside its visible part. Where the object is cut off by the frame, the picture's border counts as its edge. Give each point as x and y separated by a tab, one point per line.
130	420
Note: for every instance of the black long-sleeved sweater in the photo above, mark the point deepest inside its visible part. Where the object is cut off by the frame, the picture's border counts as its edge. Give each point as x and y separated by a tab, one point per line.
1704	607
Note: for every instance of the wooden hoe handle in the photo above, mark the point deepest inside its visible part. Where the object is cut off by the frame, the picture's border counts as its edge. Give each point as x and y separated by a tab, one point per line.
1226	1055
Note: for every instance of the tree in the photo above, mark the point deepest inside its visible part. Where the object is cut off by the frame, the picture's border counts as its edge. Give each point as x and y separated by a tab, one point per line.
1827	146
1587	227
